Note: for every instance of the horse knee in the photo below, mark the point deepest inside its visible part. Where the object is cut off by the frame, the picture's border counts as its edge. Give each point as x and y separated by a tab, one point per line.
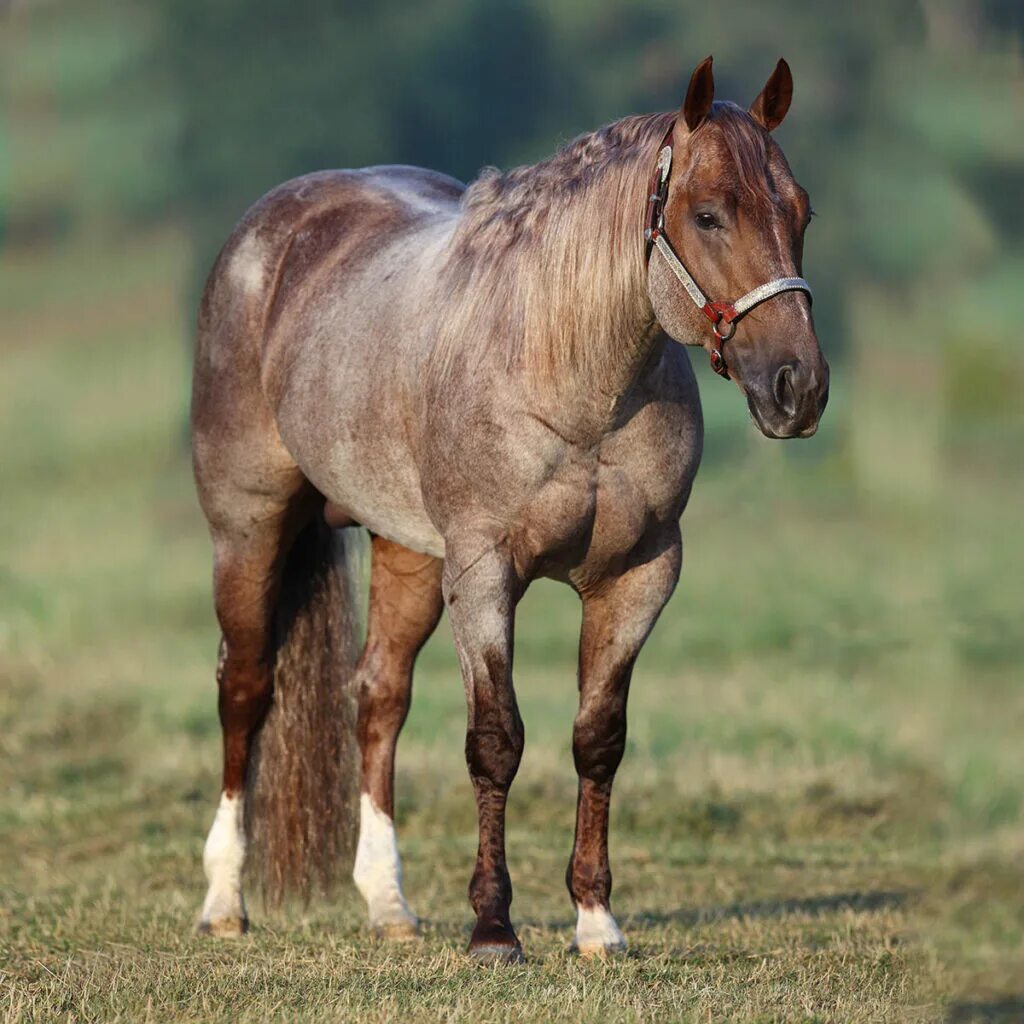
599	741
494	750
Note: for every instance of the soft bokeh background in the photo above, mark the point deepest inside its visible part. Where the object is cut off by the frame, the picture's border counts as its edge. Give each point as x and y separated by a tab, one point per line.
820	812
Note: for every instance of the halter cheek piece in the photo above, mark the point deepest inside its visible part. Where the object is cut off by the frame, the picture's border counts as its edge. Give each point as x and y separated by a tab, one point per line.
723	315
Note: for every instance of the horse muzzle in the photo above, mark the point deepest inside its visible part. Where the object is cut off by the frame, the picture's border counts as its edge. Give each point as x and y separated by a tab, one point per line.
789	400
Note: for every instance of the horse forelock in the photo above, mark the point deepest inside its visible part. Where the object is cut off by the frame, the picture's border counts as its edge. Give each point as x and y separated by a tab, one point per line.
549	257
732	142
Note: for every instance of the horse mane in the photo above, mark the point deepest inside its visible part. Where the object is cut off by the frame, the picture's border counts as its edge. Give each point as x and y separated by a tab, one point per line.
547	260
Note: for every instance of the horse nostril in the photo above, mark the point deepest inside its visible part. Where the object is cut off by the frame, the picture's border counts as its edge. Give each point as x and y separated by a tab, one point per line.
784	392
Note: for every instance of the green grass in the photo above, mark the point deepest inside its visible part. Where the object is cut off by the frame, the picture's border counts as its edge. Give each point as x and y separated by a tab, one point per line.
819	815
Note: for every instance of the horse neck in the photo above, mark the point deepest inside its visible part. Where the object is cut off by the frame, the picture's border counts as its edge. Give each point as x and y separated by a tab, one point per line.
598	324
546	270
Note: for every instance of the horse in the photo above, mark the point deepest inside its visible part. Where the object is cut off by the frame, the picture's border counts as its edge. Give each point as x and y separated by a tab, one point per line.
491	381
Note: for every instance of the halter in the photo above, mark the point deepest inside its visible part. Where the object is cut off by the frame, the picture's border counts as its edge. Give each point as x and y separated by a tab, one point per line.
723	315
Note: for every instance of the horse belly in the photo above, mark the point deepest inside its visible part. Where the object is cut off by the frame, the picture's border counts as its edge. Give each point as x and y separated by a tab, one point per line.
357	458
378	491
379	499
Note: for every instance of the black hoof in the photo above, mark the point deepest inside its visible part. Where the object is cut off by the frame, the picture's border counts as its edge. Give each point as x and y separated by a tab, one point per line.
494	953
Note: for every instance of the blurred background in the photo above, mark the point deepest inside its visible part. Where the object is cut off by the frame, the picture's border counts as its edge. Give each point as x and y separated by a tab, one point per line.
837	681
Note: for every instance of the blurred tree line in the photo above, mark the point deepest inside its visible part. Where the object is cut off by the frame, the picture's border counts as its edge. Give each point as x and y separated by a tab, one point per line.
906	127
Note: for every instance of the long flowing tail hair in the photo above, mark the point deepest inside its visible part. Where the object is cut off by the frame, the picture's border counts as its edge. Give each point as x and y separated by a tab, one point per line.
302	786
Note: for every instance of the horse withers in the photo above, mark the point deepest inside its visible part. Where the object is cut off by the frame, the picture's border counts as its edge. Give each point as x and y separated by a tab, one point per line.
486	378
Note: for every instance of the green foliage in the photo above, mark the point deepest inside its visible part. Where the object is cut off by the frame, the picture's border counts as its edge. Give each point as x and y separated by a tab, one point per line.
92	120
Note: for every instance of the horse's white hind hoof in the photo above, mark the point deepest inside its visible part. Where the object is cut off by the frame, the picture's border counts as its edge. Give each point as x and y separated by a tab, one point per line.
396	931
224	927
597	934
601	950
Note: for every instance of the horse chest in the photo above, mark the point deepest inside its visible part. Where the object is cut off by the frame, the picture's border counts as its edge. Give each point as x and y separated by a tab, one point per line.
597	508
623	510
638	476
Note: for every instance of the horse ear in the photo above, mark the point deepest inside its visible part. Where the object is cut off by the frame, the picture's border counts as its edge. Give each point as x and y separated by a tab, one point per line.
699	95
770	107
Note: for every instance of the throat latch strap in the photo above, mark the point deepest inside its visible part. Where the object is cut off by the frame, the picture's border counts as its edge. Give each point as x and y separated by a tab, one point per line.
723	315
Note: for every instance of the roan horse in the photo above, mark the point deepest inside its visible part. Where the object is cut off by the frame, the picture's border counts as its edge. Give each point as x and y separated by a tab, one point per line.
484	378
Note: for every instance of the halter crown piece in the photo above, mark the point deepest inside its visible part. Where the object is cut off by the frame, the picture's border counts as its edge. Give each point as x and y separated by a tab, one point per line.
723	315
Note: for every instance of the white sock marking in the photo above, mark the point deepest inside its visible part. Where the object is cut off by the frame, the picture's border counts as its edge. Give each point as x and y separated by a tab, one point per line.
223	858
596	931
378	870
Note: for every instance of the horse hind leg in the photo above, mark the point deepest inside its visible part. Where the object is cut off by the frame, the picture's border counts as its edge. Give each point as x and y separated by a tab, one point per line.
255	500
223	914
405	605
244	588
250	544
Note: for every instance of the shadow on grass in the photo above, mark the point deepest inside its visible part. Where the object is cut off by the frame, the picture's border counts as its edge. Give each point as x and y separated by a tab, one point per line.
1008	1010
814	906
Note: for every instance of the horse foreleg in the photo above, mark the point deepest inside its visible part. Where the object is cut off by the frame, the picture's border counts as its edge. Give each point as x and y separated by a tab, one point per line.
405	604
481	593
617	617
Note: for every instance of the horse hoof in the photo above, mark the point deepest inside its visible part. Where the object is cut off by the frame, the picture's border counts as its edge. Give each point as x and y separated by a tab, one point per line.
224	927
494	953
597	934
599	950
396	931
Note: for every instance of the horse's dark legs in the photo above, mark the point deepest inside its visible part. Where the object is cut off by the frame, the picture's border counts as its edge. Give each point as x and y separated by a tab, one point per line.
617	617
481	592
405	604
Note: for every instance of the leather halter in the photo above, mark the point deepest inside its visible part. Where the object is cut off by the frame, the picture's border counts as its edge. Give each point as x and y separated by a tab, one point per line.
723	315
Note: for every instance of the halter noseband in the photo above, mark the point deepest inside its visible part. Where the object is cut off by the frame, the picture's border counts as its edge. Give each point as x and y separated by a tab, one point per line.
723	315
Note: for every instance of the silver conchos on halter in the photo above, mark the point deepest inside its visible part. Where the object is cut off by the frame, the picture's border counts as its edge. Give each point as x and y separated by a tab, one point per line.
665	163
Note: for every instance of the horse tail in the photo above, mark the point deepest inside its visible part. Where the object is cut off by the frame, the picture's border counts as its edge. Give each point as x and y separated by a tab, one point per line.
302	784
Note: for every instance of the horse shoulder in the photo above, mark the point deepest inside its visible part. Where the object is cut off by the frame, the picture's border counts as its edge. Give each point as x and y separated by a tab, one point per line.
660	438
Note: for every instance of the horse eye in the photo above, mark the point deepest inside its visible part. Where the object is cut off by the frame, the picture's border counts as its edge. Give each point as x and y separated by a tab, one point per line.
707	221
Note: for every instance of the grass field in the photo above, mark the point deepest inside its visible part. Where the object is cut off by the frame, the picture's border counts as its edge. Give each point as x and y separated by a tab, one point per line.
819	815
